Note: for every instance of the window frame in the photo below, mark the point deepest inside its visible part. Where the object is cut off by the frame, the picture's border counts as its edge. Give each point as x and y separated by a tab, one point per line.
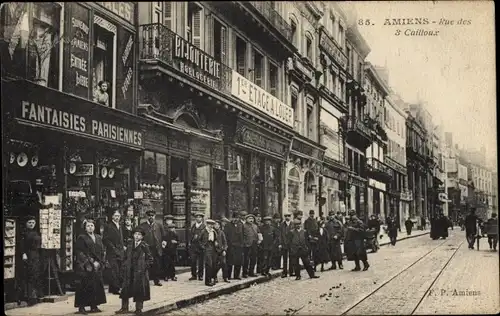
309	53
272	63
225	60
256	50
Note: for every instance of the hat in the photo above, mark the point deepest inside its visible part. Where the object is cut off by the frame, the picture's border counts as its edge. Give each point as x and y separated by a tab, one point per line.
150	212
297	221
352	212
88	220
139	229
31	218
331	213
267	218
171	225
168	216
243	213
199	214
311	212
225	219
210	221
299	213
250	215
276	216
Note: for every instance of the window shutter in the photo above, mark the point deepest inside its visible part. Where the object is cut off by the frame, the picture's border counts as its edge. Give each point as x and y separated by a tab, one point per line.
167	14
197	28
258	73
210	35
252	65
273	79
223	42
240	59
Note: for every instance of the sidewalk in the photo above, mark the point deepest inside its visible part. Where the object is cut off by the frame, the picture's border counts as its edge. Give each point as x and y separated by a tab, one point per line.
172	295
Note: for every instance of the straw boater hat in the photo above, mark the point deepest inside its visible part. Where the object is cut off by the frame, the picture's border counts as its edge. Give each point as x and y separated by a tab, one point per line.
297	221
210	221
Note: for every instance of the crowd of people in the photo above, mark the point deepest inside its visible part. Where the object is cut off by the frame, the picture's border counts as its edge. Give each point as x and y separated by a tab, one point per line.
475	229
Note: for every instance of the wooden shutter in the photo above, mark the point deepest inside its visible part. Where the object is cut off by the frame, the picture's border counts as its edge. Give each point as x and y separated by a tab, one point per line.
167	14
273	79
196	28
258	70
240	58
210	35
223	43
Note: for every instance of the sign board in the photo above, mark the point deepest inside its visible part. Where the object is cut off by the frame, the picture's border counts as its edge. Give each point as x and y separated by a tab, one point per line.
258	98
233	175
84	169
50	223
178	188
124	10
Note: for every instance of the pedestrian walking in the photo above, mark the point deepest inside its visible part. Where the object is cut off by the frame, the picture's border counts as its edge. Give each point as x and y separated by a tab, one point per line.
270	237
392	229
235	243
195	248
115	251
491	229
285	228
299	249
335	229
170	252
409	226
221	249
276	253
311	228
354	242
137	263
90	262
250	244
423	222
30	247
154	238
471	222
208	242
321	251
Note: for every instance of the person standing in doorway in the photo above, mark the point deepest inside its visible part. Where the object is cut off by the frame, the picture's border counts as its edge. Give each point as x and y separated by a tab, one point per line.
30	248
115	251
155	234
195	248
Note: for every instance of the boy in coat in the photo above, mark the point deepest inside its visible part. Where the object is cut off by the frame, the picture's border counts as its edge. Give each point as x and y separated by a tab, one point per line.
209	244
138	259
170	252
154	238
270	236
221	252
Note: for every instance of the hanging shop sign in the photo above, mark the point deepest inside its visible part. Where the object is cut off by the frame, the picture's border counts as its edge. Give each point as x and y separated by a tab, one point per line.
124	10
308	150
125	69
233	175
178	188
332	49
252	138
258	98
337	175
76	121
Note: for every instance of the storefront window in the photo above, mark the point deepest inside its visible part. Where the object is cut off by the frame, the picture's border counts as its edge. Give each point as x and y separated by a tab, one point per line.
153	181
178	171
293	191
333	194
104	60
310	190
272	188
201	189
238	190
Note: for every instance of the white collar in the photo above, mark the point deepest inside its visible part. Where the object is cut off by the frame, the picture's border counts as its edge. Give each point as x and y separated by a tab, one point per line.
198	224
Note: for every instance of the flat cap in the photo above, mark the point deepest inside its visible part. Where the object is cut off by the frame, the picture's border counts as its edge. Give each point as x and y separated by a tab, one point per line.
140	229
331	213
150	212
171	225
250	215
210	221
199	214
169	216
276	216
224	219
297	221
243	213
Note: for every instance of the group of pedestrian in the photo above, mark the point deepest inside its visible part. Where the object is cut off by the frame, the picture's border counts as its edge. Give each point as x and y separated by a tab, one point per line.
475	228
439	226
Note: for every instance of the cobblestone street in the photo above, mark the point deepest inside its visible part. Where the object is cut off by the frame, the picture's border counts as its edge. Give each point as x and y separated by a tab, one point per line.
401	280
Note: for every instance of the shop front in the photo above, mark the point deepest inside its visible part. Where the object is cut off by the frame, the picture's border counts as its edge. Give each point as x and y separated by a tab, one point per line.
75	153
304	168
377	198
357	195
333	187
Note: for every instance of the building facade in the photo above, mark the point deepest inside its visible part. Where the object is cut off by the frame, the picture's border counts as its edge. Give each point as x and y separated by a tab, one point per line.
379	175
398	194
482	178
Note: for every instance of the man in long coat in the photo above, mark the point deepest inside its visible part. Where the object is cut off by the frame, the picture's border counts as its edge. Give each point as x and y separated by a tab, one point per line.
209	244
276	254
270	236
170	252
221	250
335	234
392	229
311	228
299	249
155	234
195	248
115	251
138	259
235	244
355	242
285	228
250	246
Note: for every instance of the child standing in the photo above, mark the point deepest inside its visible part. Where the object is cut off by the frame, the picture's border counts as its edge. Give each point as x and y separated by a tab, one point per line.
138	260
170	252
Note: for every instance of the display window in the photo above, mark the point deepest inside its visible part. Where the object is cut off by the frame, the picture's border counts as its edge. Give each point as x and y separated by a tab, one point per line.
154	181
257	179
178	172
293	191
238	190
201	180
273	181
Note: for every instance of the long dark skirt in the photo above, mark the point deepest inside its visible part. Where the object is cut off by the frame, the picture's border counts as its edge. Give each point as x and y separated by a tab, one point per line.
90	290
31	284
335	251
321	253
355	250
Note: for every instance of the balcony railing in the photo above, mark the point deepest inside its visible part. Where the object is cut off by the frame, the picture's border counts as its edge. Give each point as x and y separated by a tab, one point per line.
378	166
160	43
272	16
355	124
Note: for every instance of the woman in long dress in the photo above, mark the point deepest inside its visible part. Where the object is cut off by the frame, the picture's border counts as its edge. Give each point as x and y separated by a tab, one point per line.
90	263
30	249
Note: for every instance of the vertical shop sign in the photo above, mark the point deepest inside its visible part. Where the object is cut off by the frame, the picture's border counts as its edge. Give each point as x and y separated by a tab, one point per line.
76	55
125	70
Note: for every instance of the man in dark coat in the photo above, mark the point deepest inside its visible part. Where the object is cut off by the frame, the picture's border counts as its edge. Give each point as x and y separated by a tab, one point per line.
392	229
154	239
195	248
31	277
137	261
250	246
285	228
311	228
270	236
409	226
335	233
115	251
235	242
299	249
170	252
208	242
374	224
221	250
276	254
491	229
321	252
355	242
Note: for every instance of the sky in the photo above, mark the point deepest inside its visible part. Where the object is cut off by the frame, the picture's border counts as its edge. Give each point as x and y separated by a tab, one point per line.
454	72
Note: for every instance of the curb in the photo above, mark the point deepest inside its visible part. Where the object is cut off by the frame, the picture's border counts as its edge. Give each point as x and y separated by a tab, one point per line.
405	237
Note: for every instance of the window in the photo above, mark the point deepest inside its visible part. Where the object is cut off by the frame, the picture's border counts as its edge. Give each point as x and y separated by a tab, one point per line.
104	61
241	53
332	23
193	28
309	47
295	110
220	42
341	36
310	123
293	25
258	71
273	80
349	59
